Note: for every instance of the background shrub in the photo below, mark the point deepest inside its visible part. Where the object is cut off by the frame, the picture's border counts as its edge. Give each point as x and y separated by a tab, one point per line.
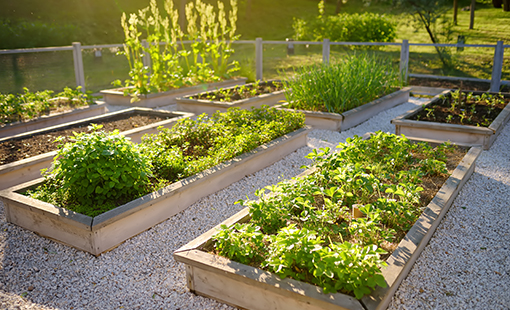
365	27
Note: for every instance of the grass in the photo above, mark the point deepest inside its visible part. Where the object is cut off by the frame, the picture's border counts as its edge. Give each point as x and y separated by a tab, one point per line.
99	22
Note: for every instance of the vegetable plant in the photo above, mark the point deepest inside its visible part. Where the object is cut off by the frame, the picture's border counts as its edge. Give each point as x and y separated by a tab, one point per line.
464	108
341	86
240	92
95	172
306	229
99	171
29	105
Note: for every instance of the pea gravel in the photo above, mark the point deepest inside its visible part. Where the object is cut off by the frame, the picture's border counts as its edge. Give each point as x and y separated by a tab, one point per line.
466	264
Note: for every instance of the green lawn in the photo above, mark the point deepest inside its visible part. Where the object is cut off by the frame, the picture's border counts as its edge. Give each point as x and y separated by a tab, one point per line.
99	22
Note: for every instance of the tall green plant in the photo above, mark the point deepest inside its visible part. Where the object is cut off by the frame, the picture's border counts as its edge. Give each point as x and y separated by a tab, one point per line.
339	87
210	31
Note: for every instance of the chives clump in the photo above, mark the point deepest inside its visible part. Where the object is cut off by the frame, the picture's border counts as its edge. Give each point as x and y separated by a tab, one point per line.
342	86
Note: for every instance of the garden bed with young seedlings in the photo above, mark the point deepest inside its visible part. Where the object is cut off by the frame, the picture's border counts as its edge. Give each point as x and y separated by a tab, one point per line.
35	110
466	118
245	96
19	148
298	244
103	189
332	97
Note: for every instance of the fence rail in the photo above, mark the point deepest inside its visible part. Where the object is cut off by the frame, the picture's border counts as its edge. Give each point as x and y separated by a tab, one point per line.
495	80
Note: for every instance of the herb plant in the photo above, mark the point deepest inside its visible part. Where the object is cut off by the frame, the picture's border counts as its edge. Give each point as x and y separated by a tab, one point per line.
341	86
195	145
99	171
95	172
29	105
306	228
210	31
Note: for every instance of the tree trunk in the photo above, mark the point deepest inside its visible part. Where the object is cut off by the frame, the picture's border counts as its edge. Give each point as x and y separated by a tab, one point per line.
338	6
455	7
506	5
472	11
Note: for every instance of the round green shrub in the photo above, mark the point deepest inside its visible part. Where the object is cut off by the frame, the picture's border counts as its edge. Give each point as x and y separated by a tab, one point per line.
96	172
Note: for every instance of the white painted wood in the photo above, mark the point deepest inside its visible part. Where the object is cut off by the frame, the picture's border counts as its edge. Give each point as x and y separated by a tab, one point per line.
52	120
351	118
106	231
199	106
425	90
497	67
251	288
259	65
466	135
78	66
116	96
325	51
404	60
30	168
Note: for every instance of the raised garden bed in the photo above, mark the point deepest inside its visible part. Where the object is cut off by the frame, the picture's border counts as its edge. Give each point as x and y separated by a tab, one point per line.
117	97
247	96
52	119
105	231
353	117
24	170
248	287
471	123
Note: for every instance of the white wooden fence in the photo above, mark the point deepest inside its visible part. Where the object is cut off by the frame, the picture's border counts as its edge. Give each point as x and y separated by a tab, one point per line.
495	80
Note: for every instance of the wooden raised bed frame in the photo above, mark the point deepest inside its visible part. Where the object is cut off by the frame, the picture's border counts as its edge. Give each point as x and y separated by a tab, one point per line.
116	96
353	117
465	135
54	119
251	288
29	169
199	106
104	232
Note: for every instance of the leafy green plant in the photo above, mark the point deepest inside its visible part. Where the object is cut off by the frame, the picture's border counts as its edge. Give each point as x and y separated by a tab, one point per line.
99	171
94	172
243	242
240	92
308	230
344	27
28	105
195	145
172	65
337	88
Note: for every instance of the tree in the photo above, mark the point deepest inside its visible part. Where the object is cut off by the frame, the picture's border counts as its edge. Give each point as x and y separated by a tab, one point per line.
472	15
427	13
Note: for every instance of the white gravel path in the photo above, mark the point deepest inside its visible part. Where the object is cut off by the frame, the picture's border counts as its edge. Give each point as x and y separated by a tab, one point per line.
466	264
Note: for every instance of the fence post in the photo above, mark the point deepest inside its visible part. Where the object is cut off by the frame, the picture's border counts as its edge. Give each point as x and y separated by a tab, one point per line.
325	51
497	67
78	66
404	60
258	58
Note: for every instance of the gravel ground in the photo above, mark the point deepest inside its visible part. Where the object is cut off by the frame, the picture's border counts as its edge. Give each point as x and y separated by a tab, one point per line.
453	272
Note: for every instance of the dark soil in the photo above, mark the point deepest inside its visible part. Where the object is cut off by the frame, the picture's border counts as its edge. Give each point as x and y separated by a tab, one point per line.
470	111
240	92
464	85
14	150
